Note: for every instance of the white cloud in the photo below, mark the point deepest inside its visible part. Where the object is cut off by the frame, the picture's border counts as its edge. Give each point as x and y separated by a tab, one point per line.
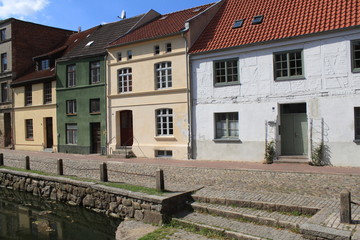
21	8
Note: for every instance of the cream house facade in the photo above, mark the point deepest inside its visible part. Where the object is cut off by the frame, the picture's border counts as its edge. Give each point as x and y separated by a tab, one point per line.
148	85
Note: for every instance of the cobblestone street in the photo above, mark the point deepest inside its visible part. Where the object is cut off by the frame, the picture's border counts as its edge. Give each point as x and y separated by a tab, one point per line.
326	182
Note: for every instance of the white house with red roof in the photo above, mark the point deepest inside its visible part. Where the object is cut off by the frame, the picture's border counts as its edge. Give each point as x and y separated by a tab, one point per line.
282	72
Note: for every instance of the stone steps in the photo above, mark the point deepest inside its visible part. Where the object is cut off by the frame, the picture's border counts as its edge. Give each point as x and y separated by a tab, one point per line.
292	159
233	229
269	218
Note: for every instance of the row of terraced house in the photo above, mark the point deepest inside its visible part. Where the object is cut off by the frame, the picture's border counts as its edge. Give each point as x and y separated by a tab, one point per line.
216	82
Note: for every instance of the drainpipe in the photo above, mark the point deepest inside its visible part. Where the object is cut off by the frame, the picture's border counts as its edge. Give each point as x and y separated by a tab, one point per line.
189	109
107	116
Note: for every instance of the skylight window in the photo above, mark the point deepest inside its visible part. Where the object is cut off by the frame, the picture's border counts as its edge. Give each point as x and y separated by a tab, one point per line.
197	10
257	19
238	23
163	17
89	44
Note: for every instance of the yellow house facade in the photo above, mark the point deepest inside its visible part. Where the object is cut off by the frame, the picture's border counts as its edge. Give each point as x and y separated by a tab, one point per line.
148	85
35	116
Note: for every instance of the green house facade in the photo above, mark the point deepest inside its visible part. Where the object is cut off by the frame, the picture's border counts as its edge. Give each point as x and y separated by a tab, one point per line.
81	90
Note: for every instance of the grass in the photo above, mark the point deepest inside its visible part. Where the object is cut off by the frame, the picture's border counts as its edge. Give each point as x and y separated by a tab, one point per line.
129	187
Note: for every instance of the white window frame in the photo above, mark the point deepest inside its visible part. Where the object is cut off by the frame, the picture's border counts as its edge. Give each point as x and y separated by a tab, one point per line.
226	130
164	122
124	80
163	75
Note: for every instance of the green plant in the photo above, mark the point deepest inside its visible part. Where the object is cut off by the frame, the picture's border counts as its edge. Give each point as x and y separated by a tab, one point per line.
317	155
270	152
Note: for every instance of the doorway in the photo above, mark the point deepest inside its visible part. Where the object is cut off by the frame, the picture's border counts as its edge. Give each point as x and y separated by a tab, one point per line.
8	130
95	137
294	129
126	128
49	132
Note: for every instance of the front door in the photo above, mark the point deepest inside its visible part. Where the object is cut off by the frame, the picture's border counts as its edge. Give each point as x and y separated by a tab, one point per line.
49	132
8	131
126	128
95	132
294	129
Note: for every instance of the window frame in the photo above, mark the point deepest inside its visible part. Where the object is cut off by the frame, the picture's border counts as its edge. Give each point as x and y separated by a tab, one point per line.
71	107
2	34
95	72
4	92
44	64
47	92
227	82
124	76
228	129
71	130
28	95
119	57
353	68
357	124
164	128
94	100
4	62
165	153
159	75
289	77
129	54
156	50
29	129
168	48
71	75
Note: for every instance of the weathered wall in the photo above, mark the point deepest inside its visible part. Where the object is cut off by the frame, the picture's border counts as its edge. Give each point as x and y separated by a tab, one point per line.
330	90
111	201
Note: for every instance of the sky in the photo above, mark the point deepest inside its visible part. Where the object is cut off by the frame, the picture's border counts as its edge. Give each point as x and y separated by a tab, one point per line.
70	14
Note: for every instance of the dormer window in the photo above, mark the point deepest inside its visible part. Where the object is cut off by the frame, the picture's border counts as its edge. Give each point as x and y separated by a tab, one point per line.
44	64
238	23
257	19
89	44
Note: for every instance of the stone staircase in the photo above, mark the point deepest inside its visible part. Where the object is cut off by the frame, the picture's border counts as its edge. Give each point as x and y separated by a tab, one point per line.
247	215
122	152
301	159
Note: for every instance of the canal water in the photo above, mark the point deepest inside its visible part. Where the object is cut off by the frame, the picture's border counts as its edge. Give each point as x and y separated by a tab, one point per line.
27	217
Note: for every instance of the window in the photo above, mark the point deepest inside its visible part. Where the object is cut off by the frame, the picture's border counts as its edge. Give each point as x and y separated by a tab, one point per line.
168	47
125	80
3	34
129	54
156	49
44	64
288	65
163	75
29	133
119	56
47	93
4	64
357	123
71	107
4	92
257	19
71	75
163	153
238	23
28	95
95	105
227	125
95	72
226	72
164	121
71	133
355	47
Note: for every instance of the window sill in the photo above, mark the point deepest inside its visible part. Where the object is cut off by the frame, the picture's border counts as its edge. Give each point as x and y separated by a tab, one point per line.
289	78
227	84
29	139
165	138
71	114
357	141
95	113
227	140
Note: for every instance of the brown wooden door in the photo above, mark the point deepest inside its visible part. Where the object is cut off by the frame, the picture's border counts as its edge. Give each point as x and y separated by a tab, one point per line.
49	132
126	128
95	138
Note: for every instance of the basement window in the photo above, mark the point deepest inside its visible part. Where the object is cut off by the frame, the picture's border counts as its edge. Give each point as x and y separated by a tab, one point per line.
257	19
163	153
238	23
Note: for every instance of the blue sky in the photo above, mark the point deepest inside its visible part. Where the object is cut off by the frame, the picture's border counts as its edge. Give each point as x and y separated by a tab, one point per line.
69	14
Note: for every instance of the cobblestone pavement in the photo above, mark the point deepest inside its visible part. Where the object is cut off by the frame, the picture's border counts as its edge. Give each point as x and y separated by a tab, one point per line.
190	175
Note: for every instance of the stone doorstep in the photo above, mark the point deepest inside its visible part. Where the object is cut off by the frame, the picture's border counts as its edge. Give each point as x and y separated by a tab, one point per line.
226	233
316	230
281	220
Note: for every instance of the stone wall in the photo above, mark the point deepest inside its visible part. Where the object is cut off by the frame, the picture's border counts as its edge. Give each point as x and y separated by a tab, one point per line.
113	202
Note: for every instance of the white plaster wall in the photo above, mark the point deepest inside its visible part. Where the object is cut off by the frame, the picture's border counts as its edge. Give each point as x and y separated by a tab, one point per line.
329	88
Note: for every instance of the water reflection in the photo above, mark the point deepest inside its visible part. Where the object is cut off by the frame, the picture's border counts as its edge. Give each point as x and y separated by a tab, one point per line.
25	217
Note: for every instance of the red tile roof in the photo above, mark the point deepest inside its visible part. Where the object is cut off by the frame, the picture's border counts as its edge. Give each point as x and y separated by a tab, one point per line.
165	25
282	19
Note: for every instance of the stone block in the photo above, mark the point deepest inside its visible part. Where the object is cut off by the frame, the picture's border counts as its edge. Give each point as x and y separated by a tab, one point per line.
152	217
139	215
136	205
113	206
127	202
89	201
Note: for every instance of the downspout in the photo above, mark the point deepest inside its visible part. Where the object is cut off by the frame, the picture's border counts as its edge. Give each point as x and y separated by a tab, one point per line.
107	116
188	94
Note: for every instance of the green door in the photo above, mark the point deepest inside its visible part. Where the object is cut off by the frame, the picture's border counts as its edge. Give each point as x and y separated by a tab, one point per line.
294	135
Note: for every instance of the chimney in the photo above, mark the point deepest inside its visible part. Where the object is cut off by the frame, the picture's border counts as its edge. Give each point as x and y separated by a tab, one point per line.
79	29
